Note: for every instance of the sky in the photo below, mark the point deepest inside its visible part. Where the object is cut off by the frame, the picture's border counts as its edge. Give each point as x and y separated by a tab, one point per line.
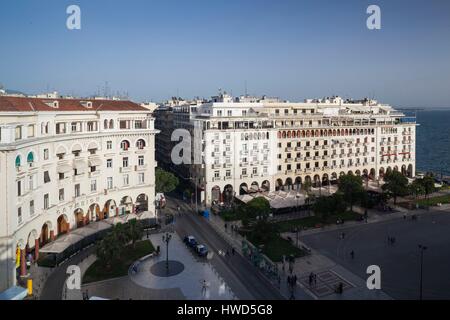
290	49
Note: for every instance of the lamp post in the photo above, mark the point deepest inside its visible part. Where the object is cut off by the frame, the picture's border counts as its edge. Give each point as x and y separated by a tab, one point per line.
422	249
166	238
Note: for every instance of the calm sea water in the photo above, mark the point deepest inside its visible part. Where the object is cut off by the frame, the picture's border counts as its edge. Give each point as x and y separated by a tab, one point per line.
433	141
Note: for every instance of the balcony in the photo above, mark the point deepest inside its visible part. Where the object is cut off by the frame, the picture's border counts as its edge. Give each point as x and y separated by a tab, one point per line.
298	148
228	165
243	164
288	149
216	166
308	158
79	177
287	160
317	157
140	167
298	159
298	171
95	173
316	147
307	147
125	169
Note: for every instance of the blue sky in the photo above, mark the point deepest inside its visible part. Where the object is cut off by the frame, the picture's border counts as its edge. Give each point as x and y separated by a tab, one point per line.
291	49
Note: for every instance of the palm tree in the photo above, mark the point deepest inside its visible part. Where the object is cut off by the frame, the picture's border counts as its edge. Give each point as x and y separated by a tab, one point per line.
134	230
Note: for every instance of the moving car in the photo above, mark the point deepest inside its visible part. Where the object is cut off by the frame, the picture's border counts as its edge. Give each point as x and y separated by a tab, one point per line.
201	250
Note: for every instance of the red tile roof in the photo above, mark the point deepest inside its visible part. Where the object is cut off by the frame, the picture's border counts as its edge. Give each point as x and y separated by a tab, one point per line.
23	104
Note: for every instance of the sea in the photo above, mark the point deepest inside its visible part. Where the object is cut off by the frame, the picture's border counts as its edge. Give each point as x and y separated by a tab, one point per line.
433	141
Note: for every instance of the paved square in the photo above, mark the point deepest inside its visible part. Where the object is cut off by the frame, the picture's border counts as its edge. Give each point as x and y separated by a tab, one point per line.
399	263
327	281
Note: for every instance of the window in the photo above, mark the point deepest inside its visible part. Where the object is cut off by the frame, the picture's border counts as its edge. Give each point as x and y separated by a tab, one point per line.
31	131
93	185
255	170
46	201
92	126
228	173
18	133
61	176
18	161
19	188
77	190
124	145
109	145
126	179
46	154
60	128
47	177
31	208
229	113
140	144
109	183
125	162
109	163
141	178
31	182
19	215
61	195
30	159
141	160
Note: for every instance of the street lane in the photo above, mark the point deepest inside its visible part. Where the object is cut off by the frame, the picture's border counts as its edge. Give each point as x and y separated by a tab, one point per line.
242	277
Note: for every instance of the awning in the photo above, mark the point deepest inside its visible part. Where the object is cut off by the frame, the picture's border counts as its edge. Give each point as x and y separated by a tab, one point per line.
80	165
95	162
64	168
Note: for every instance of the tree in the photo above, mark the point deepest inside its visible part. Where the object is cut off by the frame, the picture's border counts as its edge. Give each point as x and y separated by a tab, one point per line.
109	250
416	188
165	182
396	184
263	232
257	207
325	207
351	188
428	185
135	231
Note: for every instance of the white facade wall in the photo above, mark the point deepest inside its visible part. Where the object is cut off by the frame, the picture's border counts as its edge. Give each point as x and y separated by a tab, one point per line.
20	231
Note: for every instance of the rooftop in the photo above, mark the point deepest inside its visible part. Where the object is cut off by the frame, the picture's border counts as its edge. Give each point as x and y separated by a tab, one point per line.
28	104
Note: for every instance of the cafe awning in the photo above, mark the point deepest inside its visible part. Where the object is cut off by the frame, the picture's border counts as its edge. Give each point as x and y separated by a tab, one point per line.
63	168
95	162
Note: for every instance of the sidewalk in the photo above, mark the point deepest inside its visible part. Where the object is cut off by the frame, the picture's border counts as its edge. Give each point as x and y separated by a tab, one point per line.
235	240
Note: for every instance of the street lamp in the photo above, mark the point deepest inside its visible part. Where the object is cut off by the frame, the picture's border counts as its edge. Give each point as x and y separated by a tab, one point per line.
422	249
166	238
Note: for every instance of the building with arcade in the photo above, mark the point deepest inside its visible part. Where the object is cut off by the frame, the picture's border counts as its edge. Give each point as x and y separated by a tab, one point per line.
65	164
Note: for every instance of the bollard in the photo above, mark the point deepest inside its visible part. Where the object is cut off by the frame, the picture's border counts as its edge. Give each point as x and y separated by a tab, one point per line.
30	287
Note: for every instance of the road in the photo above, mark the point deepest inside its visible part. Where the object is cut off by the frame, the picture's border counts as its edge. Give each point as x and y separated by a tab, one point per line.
243	278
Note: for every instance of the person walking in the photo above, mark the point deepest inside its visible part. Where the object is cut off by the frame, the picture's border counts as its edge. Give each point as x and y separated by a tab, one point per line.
352	254
233	251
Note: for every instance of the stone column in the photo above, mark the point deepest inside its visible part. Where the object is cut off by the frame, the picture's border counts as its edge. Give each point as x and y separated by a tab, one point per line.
23	264
36	249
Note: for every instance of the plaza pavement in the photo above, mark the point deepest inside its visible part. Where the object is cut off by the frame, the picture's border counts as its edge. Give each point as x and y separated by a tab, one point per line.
399	263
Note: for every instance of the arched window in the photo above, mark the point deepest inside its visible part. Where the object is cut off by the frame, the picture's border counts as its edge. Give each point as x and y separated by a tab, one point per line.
124	145
140	144
18	161
105	124
30	157
111	124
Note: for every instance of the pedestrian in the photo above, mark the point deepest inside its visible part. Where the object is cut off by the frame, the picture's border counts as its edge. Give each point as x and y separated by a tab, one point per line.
311	279
295	280
233	251
226	226
343	235
315	279
352	254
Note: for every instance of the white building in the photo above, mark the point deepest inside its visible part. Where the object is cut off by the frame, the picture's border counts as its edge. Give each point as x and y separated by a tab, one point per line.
268	144
65	163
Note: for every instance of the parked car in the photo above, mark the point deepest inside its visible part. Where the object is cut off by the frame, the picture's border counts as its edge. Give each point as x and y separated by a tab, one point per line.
190	241
201	250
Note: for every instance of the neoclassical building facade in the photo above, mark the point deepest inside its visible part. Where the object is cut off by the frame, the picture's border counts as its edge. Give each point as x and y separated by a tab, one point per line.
249	144
65	163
